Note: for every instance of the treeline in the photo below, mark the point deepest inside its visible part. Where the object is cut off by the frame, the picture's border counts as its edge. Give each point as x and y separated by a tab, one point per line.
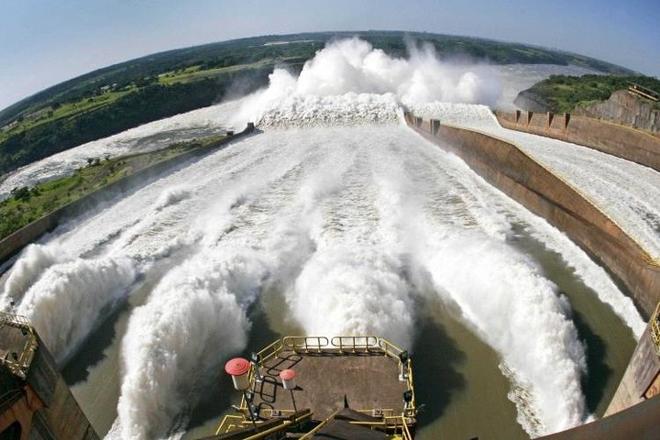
222	54
247	50
148	104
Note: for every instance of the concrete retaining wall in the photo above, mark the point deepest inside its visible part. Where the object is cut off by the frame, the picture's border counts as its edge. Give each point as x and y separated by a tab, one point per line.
61	416
625	142
505	166
625	107
640	380
639	423
14	243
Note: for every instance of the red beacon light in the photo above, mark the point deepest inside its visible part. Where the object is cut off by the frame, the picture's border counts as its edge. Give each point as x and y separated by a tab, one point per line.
239	369
288	379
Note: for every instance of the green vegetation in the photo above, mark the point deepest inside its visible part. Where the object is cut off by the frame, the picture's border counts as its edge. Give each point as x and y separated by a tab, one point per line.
562	93
28	204
148	103
122	96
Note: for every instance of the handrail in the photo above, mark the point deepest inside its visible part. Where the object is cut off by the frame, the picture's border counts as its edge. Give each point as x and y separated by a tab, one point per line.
226	419
271	350
356	343
318	427
644	92
351	345
388	424
390	349
405	431
285	424
278	425
342	343
296	342
21	364
655	329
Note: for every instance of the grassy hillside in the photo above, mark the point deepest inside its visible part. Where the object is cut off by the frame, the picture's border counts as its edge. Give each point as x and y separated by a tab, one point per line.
561	93
122	96
121	111
28	204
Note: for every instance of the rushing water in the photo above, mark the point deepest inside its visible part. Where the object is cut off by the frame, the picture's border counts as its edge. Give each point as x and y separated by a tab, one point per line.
336	219
366	229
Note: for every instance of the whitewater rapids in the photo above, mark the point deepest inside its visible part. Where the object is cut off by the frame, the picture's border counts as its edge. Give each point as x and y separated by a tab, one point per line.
344	210
351	223
628	193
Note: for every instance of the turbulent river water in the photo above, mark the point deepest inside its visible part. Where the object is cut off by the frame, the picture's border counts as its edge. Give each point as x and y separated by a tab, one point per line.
335	219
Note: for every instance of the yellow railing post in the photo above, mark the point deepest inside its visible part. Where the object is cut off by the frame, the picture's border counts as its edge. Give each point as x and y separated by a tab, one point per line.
655	329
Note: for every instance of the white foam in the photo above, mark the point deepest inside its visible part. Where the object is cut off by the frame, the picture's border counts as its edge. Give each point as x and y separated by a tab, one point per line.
348	109
191	322
349	81
29	267
148	137
625	191
67	300
322	213
518	312
350	223
475	116
202	303
353	291
590	273
172	196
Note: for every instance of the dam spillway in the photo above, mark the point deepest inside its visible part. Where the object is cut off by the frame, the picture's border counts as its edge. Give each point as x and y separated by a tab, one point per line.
373	209
334	218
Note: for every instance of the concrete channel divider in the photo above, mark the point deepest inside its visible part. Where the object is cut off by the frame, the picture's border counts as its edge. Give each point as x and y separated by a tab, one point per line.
15	242
508	168
640	146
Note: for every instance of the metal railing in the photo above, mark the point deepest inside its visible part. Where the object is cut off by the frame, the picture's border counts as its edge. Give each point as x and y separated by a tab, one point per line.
20	364
318	427
355	344
347	345
229	423
644	92
271	350
392	425
655	329
306	344
232	423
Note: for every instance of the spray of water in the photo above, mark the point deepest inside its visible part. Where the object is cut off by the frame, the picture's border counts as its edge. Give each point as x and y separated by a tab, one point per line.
518	312
69	298
350	223
239	257
192	321
349	80
34	260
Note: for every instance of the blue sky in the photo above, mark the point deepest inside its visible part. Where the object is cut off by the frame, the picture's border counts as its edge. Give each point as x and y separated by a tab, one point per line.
43	42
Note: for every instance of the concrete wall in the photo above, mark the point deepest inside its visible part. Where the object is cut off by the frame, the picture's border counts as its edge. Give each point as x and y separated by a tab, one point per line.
637	423
12	244
628	143
624	107
32	391
505	166
60	417
642	372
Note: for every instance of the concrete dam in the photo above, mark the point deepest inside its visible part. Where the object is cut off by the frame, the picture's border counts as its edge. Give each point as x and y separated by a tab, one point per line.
519	271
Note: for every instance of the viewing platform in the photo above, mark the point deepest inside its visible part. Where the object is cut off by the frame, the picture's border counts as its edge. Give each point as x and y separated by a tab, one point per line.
342	384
